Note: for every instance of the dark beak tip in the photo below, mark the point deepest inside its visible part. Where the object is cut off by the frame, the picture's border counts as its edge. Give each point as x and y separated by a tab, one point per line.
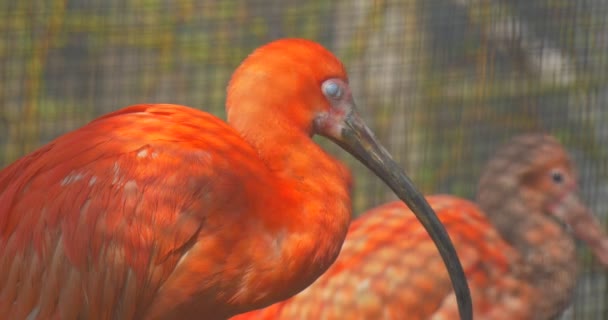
359	141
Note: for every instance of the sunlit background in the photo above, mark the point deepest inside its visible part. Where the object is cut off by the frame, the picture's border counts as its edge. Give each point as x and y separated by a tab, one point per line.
442	82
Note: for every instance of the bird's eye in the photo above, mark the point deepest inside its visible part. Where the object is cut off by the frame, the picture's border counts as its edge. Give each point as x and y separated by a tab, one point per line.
331	90
557	176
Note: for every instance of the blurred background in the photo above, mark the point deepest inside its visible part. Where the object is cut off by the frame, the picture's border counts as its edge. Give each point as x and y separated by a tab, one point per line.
441	82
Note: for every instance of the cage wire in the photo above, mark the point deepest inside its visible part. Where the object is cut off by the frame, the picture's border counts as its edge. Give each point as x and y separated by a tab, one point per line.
442	82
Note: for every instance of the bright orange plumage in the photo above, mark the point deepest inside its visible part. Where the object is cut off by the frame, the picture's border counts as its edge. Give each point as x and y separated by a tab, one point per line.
166	212
519	262
388	268
177	185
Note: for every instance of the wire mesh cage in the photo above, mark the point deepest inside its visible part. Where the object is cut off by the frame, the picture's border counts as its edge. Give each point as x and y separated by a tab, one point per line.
442	82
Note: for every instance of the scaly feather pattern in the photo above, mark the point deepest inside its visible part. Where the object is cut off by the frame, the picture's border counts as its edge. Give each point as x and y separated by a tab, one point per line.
388	269
514	245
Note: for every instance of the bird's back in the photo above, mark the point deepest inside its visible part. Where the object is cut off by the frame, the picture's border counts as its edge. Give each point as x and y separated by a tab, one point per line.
102	222
389	269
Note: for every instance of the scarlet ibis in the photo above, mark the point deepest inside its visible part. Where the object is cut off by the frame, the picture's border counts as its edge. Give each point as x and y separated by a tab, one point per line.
166	212
518	254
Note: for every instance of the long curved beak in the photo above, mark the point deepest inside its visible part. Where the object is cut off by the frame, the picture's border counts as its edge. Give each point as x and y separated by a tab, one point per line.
349	132
584	225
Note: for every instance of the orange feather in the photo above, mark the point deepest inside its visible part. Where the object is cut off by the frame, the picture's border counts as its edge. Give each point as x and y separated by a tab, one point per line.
519	260
166	212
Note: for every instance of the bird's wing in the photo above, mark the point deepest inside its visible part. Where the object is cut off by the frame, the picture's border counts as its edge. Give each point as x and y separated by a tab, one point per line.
390	269
93	223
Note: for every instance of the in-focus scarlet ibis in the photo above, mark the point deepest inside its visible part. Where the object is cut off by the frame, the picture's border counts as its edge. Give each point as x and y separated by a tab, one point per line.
166	212
515	245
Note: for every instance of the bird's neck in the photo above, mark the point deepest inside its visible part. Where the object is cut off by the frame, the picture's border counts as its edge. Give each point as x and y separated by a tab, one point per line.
313	225
547	251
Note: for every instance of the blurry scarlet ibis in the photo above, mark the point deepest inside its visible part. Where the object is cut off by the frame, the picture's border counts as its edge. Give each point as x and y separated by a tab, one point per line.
166	212
519	257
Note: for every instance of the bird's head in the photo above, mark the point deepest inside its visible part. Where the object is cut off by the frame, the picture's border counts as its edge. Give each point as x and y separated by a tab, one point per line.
296	85
538	171
302	83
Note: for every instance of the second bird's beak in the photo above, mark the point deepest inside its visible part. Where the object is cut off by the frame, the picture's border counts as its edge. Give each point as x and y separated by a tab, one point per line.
584	225
351	133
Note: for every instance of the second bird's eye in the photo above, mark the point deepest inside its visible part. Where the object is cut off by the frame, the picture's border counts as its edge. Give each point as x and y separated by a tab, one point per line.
331	89
557	176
